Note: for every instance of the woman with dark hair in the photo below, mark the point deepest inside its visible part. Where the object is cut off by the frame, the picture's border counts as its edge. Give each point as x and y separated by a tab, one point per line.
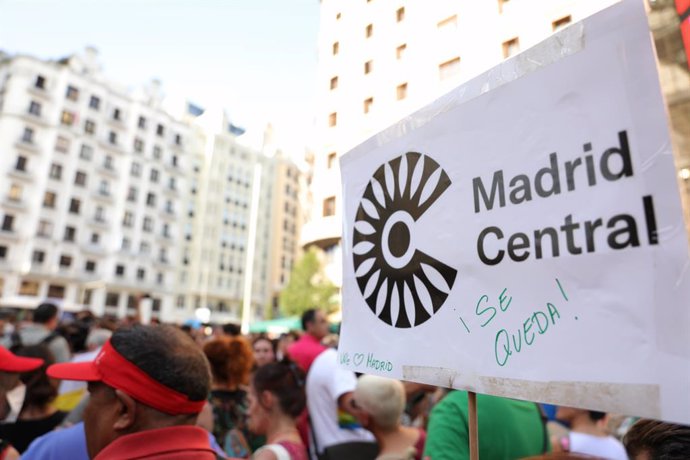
276	399
37	416
231	360
264	350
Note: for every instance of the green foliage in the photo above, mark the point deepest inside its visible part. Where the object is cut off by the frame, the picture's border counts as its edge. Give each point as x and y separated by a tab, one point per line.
308	287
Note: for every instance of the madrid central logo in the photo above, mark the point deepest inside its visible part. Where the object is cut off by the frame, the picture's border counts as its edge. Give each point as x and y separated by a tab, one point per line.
402	285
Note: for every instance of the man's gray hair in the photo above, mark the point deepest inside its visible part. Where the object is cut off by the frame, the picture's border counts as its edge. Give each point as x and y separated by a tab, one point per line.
97	338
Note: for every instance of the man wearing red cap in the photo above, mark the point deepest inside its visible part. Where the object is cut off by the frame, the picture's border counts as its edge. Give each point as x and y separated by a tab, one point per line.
11	366
147	385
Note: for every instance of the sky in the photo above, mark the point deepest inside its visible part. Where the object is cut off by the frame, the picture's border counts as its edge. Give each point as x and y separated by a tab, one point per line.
256	58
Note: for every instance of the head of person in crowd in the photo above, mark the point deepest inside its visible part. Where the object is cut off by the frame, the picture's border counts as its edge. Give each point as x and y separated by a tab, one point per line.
264	351
231	360
378	404
46	315
41	390
12	367
315	323
653	439
579	419
232	329
276	399
284	341
144	378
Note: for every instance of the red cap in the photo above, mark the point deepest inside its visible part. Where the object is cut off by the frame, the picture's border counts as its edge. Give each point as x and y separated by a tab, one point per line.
9	362
113	369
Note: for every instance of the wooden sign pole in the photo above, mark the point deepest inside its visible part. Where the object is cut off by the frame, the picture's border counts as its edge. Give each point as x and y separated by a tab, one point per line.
472	425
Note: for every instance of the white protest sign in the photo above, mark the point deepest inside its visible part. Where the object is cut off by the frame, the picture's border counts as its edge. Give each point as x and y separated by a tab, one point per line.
523	235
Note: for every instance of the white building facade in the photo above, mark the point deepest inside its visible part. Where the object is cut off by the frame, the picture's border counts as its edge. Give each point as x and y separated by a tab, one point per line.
379	61
107	197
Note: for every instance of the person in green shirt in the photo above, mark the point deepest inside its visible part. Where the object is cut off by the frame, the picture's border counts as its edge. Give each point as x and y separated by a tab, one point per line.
508	429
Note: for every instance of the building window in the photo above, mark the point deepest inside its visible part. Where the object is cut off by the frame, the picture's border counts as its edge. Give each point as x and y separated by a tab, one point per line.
28	136
62	144
112	137
67	118
148	224
49	199
40	82
111	299
400	14
138	145
72	93
154	175
126	244
45	229
329	207
368	103
104	188
160	130
128	219
65	261
336	48
120	270
29	288
401	91
332	158
35	108
117	115
151	199
141	123
74	206
38	257
20	165
94	103
511	47
15	193
400	51
108	163
135	170
100	214
70	234
368	66
449	68
90	266
448	24
55	171
369	30
560	23
86	152
89	127
80	178
55	291
132	194
334	82
157	152
95	238
141	274
178	139
144	248
333	119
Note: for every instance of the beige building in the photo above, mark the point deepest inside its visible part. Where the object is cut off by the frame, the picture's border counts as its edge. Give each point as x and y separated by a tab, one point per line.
379	61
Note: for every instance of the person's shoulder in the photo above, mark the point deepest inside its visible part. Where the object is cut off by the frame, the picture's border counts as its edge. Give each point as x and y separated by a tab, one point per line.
59	442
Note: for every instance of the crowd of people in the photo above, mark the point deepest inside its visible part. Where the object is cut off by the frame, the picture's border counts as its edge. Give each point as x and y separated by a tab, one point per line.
104	389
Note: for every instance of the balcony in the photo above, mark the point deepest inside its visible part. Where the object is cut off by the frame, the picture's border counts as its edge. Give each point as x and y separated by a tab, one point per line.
21	174
99	222
103	195
28	144
109	170
14	203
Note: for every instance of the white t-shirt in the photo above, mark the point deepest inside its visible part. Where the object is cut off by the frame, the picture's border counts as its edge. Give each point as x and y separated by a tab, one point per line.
603	447
326	382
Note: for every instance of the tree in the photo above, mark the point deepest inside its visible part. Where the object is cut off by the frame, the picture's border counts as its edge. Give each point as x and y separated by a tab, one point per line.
308	287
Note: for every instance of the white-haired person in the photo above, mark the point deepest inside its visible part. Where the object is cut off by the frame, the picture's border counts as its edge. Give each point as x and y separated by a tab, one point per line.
379	403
